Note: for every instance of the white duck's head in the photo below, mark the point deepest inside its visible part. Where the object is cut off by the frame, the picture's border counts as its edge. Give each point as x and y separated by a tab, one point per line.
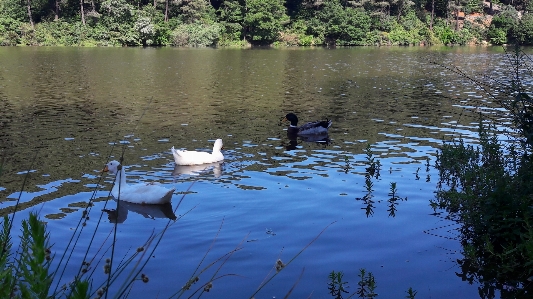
218	145
113	167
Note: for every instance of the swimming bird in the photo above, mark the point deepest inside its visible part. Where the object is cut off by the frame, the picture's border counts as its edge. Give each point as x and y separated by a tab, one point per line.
140	193
310	128
195	158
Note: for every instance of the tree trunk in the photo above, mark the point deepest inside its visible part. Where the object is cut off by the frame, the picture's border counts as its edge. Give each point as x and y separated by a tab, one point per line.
166	10
432	15
457	19
56	10
82	13
399	12
29	14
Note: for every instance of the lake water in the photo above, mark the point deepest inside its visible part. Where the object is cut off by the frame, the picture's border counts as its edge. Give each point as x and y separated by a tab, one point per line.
64	112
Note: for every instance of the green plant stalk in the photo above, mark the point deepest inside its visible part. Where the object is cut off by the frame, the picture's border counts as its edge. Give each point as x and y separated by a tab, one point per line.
34	260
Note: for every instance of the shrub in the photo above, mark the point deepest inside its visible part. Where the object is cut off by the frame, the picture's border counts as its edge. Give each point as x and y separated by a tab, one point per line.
497	36
196	35
306	40
445	34
9	28
399	36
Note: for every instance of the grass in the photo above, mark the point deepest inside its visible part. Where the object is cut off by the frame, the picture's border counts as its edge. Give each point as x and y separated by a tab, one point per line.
27	273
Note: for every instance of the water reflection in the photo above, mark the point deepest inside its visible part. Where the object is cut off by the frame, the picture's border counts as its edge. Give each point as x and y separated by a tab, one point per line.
120	214
197	170
322	139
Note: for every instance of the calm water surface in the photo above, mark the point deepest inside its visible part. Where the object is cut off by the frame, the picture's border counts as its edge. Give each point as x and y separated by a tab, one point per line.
73	109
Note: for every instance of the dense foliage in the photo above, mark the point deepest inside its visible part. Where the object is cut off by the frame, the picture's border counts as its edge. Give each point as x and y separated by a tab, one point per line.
487	189
262	22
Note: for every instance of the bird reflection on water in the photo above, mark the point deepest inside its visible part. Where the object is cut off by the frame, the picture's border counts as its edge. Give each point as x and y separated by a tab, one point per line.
322	139
120	214
195	170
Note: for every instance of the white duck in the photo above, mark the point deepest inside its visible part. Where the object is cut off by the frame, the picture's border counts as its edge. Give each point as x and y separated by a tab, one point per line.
196	158
141	193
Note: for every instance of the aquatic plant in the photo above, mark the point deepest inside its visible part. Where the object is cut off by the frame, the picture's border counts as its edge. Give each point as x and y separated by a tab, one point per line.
366	286
336	285
372	169
393	199
411	293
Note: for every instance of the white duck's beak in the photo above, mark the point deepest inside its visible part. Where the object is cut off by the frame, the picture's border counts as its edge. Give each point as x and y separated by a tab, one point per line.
105	169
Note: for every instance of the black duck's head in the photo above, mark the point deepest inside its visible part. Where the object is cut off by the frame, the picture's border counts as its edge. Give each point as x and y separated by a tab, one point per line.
292	118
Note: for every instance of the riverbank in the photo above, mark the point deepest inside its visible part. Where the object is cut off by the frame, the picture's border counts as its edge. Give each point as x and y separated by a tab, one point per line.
276	23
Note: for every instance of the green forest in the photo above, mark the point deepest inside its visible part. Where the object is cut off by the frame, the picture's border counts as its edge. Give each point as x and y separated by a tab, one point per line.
245	23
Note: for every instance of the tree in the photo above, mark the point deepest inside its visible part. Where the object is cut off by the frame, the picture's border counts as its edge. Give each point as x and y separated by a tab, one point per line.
503	26
525	30
456	7
401	7
344	25
263	20
192	11
231	16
